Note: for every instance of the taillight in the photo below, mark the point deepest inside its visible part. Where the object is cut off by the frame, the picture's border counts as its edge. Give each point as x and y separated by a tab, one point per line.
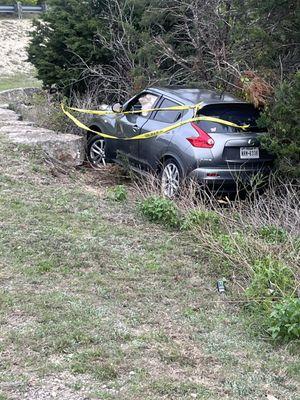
202	140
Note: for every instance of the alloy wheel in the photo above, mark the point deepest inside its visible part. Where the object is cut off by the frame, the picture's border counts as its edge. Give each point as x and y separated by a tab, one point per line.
170	180
97	153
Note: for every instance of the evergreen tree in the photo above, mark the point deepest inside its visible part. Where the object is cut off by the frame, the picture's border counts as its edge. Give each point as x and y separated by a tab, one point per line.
64	39
267	37
282	118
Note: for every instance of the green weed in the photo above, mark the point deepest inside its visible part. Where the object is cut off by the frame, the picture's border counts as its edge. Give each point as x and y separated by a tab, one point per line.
273	234
118	193
270	279
94	361
161	210
201	219
271	292
178	390
285	320
227	244
42	267
294	369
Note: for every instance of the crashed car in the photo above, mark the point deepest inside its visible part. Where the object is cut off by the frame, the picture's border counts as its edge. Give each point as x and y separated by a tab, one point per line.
216	155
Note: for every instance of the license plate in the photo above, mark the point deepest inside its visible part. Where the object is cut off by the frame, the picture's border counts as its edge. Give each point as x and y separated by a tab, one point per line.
249	152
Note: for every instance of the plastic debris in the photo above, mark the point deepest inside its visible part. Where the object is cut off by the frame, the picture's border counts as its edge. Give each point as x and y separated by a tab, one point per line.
221	286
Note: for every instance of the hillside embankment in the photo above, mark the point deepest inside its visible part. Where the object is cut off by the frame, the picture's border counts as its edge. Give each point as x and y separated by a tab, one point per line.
15	70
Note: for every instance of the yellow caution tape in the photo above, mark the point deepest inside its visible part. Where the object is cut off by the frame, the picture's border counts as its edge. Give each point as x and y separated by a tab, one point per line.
83	126
158	132
151	134
102	112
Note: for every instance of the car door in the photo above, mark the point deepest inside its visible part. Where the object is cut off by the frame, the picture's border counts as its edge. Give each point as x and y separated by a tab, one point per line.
129	125
151	150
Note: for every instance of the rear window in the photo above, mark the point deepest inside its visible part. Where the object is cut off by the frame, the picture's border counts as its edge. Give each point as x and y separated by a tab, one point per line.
240	114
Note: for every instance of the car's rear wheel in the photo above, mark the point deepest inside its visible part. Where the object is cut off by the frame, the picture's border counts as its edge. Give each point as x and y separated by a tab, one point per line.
96	151
170	178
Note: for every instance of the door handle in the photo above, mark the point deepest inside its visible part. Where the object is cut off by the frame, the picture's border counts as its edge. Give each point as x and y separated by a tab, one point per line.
135	128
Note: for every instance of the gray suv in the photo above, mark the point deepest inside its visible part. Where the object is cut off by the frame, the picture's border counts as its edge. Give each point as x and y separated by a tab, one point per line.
215	155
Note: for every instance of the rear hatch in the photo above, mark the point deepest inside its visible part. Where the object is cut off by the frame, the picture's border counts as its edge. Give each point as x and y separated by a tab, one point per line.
234	146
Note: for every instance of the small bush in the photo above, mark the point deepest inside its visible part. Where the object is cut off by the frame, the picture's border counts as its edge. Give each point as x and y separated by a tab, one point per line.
271	293
270	279
159	209
201	218
227	244
118	193
272	234
285	320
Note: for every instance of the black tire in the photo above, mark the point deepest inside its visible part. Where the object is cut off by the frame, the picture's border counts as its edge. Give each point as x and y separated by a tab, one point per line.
95	151
170	178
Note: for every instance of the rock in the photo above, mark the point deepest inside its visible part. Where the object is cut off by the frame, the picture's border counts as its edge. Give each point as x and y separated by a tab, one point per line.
15	123
17	95
66	148
8	115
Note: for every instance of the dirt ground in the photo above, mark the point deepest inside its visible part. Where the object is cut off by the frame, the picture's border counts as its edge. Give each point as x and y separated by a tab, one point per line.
14	39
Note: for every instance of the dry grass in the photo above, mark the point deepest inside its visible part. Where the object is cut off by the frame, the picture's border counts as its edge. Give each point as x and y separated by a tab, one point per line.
257	226
97	303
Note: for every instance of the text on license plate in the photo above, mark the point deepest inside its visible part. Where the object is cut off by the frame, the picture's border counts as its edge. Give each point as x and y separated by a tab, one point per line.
249	152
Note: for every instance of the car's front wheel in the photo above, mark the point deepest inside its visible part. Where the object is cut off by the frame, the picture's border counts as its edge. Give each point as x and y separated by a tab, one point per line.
96	151
170	178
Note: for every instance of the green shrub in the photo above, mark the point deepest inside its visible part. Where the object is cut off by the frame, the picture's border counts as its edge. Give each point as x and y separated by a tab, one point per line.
201	218
233	244
273	234
63	36
285	320
118	193
162	210
270	280
282	120
271	299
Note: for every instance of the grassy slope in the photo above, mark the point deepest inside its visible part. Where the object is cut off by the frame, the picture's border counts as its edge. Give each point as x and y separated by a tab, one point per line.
15	74
95	303
18	81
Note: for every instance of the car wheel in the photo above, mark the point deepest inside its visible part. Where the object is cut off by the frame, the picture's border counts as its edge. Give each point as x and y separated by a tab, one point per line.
170	178
96	151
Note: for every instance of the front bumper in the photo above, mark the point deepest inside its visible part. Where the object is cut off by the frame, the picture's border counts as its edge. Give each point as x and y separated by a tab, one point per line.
229	180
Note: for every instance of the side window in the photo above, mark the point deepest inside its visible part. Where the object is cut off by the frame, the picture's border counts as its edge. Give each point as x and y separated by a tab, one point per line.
147	102
144	101
167	116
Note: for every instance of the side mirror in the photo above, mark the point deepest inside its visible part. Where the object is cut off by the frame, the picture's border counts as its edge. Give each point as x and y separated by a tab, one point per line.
117	108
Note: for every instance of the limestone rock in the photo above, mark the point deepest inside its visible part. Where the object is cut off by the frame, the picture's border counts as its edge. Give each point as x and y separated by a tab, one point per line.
66	148
8	115
17	95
